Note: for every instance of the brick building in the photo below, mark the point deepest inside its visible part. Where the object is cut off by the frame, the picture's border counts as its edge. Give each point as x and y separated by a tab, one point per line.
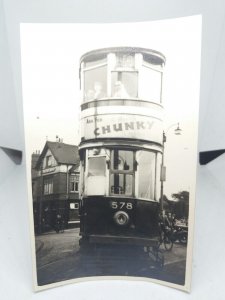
55	185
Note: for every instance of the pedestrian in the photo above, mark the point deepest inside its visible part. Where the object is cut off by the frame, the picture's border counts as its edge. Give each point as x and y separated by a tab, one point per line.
58	222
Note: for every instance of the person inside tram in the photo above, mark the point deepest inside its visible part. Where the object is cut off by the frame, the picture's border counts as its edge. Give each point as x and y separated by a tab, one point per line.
95	93
120	91
90	95
98	90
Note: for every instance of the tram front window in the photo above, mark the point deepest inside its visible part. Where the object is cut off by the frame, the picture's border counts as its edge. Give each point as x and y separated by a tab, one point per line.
122	160
121	184
122	172
124	84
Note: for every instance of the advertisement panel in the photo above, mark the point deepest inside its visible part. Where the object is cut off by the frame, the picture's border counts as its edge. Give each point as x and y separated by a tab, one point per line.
122	126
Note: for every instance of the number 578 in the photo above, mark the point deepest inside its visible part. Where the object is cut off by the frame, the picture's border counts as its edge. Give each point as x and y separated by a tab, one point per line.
120	205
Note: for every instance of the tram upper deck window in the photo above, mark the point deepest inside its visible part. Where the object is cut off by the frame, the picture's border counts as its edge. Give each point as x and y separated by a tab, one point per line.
124	84
150	82
125	61
95	79
124	77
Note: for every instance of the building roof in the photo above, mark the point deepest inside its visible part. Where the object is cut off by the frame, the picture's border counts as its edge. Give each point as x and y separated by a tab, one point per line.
63	153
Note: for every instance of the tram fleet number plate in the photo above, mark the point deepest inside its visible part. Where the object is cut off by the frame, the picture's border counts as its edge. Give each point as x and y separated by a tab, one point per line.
121	205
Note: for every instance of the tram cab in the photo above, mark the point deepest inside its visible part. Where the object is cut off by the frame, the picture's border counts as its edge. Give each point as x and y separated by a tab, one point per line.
121	146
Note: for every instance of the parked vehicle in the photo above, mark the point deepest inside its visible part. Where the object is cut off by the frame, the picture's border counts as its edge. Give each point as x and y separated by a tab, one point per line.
180	233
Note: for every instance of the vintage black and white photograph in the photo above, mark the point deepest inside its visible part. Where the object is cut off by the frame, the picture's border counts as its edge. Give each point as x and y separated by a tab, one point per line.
111	124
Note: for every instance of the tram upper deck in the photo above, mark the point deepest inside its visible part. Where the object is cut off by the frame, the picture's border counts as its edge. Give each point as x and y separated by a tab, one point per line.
121	123
122	94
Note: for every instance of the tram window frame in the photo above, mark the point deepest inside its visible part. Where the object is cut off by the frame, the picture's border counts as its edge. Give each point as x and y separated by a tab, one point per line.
94	66
116	66
96	157
156	68
120	61
124	93
102	93
95	182
155	183
124	172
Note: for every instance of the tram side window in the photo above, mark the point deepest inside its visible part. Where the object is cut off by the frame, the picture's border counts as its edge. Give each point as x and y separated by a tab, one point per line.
96	166
95	184
122	172
95	83
150	84
124	84
146	174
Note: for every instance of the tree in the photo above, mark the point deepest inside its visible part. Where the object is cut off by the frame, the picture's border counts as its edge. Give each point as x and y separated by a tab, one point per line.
181	206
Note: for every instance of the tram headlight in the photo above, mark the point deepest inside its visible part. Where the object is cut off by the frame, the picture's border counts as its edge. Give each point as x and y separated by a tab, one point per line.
121	218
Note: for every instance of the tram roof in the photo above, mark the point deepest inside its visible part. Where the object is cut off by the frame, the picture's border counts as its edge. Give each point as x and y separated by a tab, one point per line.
153	56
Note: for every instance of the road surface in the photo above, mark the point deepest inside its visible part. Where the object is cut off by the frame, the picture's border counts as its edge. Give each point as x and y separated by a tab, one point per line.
59	258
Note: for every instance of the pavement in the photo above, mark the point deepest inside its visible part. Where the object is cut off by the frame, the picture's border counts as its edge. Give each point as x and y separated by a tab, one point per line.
59	258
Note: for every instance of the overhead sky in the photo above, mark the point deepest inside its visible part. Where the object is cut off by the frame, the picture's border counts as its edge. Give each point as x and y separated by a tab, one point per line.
51	93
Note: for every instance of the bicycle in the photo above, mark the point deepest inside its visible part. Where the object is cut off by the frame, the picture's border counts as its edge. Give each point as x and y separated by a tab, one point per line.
166	238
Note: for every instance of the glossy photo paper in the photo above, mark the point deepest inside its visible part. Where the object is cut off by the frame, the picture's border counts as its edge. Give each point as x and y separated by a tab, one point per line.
111	123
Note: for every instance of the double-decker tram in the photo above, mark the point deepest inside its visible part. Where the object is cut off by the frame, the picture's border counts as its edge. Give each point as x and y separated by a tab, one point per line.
121	147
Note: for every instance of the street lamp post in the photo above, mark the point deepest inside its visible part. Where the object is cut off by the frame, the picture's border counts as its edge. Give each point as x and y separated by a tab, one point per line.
177	131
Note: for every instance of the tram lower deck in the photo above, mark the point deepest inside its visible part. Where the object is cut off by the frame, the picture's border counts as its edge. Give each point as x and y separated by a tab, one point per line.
119	221
120	194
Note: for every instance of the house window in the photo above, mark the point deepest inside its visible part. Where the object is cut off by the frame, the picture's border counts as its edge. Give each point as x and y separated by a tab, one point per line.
48	186
74	183
49	161
74	205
